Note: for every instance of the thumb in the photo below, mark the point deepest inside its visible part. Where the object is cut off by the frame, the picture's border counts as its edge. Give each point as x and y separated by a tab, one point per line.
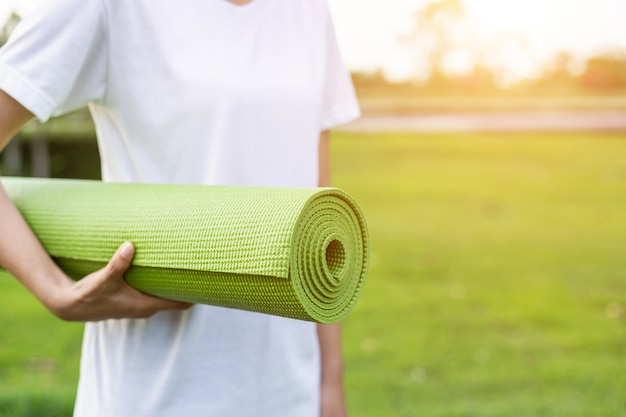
121	260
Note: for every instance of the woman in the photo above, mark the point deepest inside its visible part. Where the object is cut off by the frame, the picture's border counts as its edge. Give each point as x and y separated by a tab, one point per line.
229	92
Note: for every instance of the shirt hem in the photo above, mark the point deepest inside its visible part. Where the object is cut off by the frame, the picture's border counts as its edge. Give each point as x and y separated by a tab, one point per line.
341	114
29	96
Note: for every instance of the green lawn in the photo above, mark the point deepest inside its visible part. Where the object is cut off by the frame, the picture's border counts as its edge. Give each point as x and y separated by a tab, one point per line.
497	283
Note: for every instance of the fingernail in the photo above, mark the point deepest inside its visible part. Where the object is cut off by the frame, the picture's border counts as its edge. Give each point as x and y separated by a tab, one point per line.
126	250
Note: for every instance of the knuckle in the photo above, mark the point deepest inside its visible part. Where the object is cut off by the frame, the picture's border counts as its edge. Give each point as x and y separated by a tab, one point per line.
62	314
148	313
116	266
144	311
112	267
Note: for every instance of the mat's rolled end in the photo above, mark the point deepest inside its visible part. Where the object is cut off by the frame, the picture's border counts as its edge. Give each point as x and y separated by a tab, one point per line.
330	266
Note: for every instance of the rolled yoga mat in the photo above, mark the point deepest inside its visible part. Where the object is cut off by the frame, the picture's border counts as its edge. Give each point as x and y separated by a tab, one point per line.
292	252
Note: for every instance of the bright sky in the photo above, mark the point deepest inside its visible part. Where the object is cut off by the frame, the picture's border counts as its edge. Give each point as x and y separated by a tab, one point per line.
368	29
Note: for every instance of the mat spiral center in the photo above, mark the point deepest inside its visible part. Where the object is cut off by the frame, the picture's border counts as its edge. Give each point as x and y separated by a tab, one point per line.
335	258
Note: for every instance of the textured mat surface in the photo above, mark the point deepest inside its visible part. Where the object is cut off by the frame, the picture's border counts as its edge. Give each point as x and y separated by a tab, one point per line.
293	252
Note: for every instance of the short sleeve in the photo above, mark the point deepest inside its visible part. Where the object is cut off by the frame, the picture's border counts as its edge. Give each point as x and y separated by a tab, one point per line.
340	102
55	60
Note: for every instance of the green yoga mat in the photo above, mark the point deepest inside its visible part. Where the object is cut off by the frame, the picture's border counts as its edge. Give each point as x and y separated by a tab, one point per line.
292	252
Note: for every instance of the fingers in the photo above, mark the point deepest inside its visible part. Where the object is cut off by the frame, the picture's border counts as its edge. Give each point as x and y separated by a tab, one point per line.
141	305
148	304
121	260
164	304
155	305
105	294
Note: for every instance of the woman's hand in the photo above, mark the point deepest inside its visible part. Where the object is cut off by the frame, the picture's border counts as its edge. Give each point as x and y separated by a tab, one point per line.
104	294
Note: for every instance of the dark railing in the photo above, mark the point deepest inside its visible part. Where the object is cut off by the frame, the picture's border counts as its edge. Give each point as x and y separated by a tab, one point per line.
41	150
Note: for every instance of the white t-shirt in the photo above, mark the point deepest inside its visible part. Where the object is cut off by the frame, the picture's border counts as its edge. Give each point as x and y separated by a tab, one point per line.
192	91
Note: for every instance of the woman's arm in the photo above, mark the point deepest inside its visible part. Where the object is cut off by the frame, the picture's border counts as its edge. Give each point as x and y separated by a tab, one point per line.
101	295
329	335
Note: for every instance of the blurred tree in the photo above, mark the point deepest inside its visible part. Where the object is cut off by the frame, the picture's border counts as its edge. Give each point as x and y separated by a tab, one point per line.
451	55
505	56
605	73
559	75
442	38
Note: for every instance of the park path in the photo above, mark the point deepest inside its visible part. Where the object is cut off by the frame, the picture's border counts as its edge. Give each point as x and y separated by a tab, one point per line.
492	121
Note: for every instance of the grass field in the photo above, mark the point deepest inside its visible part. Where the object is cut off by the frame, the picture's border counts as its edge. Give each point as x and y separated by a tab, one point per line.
497	283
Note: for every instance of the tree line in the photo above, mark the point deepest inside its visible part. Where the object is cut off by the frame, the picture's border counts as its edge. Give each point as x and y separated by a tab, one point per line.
604	74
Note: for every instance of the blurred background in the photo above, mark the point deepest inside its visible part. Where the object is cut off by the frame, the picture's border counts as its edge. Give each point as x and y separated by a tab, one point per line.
490	162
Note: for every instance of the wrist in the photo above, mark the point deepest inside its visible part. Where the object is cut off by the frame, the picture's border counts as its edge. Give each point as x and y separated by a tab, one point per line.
58	295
